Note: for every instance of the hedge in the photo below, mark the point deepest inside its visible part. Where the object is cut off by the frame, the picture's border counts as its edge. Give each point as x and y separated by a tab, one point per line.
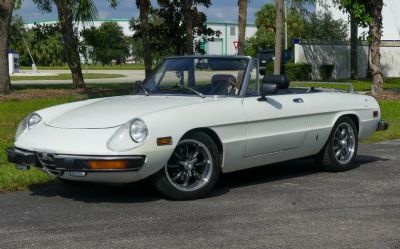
295	72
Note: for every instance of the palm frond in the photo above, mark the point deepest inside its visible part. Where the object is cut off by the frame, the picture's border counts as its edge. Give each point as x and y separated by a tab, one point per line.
85	11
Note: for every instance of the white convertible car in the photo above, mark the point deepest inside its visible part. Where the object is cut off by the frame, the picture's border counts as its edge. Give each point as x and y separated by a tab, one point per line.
194	118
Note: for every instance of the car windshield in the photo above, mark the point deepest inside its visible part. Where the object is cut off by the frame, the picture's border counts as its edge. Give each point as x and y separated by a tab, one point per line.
198	76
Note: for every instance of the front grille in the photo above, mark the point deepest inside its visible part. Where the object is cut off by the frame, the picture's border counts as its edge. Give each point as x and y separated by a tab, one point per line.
47	162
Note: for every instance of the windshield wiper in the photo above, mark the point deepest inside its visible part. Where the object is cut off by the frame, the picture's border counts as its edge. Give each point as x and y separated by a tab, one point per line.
139	84
192	90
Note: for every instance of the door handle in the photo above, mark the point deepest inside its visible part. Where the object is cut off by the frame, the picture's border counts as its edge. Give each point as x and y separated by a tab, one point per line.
298	100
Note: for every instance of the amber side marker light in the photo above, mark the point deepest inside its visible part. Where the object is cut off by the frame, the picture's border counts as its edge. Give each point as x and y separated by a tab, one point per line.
108	164
164	141
375	114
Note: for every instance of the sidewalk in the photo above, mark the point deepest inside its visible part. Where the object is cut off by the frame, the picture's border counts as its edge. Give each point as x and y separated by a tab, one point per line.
130	77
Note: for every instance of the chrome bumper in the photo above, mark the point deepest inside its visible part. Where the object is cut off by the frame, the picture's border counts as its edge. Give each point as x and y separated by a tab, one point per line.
382	125
56	164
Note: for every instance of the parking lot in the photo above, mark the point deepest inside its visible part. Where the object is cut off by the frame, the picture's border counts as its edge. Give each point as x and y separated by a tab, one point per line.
288	205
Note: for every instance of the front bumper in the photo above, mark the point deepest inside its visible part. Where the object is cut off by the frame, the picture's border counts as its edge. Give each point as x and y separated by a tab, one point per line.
57	164
382	125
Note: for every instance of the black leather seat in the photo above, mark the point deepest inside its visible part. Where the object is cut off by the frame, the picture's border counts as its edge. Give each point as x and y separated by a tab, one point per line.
281	81
221	84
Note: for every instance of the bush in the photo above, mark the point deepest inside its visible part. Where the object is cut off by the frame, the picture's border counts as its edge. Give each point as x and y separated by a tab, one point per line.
293	71
326	71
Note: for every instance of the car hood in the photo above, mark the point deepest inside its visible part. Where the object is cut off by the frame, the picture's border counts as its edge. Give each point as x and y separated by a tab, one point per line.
115	111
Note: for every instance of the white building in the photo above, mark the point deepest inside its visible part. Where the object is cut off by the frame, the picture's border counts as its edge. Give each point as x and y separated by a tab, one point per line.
226	43
222	45
390	13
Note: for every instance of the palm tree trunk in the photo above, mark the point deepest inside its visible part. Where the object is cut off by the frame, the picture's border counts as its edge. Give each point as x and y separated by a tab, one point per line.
375	31
242	26
278	36
144	6
6	9
353	48
188	19
65	16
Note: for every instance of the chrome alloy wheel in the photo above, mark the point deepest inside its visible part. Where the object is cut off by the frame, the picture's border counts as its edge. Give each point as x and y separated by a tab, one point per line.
190	166
344	143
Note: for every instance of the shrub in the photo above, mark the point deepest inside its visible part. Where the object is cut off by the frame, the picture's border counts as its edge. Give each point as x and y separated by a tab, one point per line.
326	71
301	71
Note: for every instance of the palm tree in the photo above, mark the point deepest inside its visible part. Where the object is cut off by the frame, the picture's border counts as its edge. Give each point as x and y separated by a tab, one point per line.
6	9
144	7
242	25
188	20
375	32
278	37
69	13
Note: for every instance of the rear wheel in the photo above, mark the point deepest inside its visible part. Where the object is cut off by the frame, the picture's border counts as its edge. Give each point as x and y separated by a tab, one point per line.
192	170
340	151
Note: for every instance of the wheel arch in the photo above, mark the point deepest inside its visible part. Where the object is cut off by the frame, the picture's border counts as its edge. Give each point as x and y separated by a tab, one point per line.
353	116
213	135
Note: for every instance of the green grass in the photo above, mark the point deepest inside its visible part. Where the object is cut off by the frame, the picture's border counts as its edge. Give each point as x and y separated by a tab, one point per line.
12	111
358	85
391	113
137	66
68	76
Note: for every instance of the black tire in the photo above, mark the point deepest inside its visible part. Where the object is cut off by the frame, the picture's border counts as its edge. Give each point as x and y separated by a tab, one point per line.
328	159
163	180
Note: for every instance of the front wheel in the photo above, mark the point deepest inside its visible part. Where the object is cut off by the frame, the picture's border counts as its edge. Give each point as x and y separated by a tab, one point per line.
192	170
340	151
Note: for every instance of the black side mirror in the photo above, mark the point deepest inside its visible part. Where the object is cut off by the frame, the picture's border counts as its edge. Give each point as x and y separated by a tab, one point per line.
267	89
262	71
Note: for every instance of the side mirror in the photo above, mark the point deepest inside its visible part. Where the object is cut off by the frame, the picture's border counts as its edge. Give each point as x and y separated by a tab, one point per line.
262	71
267	89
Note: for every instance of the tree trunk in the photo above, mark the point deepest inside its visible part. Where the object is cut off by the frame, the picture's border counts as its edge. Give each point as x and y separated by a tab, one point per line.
188	20
144	6
66	18
242	26
375	31
6	9
278	36
353	48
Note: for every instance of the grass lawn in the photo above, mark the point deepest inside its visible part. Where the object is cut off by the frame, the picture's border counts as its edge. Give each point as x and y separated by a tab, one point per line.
68	76
28	98
137	66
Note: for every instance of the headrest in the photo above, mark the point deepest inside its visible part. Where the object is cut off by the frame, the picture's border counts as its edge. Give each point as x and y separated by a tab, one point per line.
223	77
281	81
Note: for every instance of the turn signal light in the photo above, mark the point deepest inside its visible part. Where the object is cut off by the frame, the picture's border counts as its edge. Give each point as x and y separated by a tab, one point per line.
108	164
164	141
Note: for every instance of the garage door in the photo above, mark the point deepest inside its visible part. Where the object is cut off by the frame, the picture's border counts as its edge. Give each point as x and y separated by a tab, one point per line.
215	47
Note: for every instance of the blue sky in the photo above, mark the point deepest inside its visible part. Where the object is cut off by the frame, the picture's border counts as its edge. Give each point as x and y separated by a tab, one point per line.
221	10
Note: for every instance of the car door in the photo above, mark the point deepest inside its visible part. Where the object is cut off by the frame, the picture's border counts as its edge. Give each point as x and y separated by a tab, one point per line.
279	123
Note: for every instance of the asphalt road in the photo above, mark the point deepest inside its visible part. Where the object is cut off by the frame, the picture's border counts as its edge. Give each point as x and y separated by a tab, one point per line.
289	205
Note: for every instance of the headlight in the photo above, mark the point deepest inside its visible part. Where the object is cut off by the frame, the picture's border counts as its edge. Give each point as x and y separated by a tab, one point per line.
138	130
27	123
33	120
128	136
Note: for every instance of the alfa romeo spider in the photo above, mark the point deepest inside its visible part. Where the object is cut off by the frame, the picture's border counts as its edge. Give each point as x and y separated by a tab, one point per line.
195	118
